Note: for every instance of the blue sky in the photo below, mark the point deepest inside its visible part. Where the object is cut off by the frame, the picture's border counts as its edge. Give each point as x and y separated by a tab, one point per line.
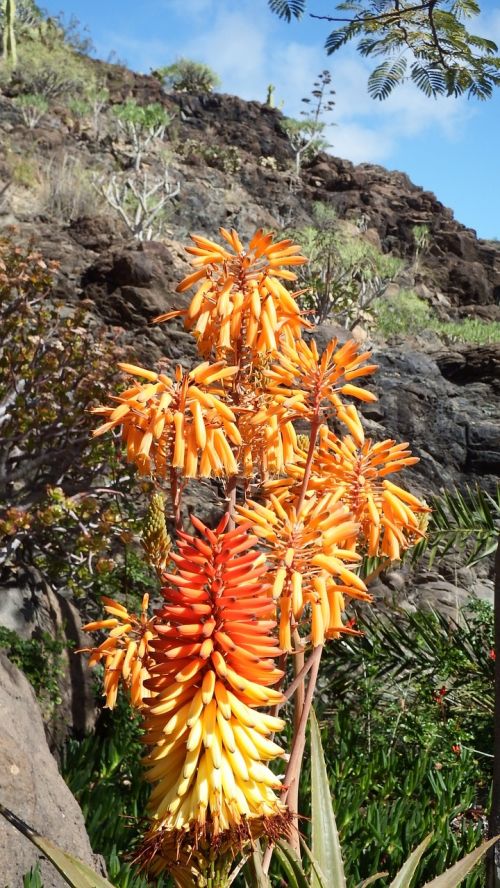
448	146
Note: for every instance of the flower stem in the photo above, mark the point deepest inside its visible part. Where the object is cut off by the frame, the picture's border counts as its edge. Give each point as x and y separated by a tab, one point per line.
315	424
298	745
231	500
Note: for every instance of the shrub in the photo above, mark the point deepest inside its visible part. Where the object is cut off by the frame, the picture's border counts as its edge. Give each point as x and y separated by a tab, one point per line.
188	76
406	313
67	191
345	274
33	108
141	200
409	707
53	363
226	158
141	126
51	70
41	660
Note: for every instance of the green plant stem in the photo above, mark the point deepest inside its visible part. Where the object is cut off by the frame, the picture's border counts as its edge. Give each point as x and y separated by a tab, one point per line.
175	493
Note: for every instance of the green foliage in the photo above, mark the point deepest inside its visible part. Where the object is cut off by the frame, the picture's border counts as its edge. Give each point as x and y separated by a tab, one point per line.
465	521
188	76
55	483
288	9
41	660
344	274
104	772
33	879
401	314
144	118
422	238
226	158
141	126
32	107
425	41
408	711
325	845
405	313
49	69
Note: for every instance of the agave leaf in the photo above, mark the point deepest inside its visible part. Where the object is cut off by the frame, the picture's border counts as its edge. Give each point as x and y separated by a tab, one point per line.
454	875
75	872
371	879
254	874
325	838
291	866
407	871
316	870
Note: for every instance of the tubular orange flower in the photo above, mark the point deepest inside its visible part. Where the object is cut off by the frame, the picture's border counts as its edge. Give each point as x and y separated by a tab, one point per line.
241	304
389	517
181	422
303	382
308	554
213	666
126	651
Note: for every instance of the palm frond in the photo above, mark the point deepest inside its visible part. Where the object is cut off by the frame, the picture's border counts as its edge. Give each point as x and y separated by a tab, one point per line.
463	521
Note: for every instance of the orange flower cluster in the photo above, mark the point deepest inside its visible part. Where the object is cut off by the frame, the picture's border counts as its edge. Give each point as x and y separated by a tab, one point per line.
241	303
308	552
180	423
389	518
211	668
126	651
302	381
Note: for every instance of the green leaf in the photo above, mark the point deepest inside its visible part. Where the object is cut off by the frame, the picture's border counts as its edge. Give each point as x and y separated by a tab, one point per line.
253	870
316	870
291	866
454	875
75	872
407	871
371	879
325	838
287	9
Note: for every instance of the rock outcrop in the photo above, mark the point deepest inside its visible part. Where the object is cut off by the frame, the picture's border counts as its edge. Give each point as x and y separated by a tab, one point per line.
31	787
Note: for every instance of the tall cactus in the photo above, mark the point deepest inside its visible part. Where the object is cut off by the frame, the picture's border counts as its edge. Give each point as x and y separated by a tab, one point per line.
9	36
